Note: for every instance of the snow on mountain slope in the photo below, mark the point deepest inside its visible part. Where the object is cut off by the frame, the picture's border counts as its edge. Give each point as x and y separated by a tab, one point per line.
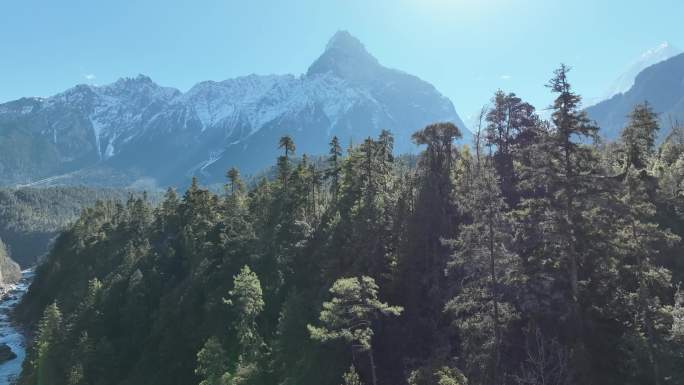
652	56
661	85
259	100
137	128
114	111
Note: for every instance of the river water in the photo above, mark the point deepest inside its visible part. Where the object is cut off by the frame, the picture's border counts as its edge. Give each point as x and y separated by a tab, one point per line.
12	334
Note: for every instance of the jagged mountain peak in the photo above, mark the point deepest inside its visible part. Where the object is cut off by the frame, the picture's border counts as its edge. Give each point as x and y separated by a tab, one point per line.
345	41
346	57
123	87
139	84
140	80
135	128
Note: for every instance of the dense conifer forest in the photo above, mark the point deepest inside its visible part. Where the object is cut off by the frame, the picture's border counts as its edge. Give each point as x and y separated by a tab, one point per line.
31	217
536	255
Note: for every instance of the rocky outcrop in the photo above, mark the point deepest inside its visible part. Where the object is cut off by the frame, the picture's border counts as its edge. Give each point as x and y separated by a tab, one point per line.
6	353
10	273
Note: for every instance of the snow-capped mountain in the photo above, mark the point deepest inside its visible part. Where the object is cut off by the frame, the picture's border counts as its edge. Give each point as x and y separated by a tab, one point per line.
661	85
652	56
135	129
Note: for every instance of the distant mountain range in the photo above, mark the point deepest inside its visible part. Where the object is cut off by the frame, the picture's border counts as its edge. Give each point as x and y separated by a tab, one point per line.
661	85
137	132
652	56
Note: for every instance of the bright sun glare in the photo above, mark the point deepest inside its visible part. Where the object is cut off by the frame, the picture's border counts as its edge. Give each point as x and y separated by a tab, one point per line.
445	7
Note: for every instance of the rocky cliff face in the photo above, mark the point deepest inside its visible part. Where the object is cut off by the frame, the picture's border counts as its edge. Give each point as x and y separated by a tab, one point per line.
10	273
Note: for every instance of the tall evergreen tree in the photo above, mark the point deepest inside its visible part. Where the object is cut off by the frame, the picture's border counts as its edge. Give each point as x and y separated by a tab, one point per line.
247	299
211	363
570	123
284	168
640	239
349	316
334	168
287	144
435	216
487	278
47	349
559	269
234	182
511	126
560	224
677	329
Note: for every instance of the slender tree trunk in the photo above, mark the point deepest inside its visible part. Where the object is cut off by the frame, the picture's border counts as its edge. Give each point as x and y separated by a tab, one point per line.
337	187
497	331
369	170
372	364
643	304
577	327
568	211
572	254
313	190
287	168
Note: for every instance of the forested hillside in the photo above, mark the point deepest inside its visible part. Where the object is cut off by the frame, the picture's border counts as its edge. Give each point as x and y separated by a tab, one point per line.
31	217
9	270
530	257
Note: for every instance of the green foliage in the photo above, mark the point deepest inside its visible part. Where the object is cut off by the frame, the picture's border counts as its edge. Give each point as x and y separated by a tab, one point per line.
45	355
31	217
287	144
246	297
440	375
641	241
535	257
350	312
351	377
677	330
488	278
639	136
235	183
211	363
450	376
512	126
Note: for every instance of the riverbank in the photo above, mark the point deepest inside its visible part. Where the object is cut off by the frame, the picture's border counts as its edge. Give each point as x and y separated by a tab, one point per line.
11	334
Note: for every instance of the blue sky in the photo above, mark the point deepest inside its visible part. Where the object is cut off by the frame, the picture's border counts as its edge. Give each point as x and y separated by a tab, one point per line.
466	48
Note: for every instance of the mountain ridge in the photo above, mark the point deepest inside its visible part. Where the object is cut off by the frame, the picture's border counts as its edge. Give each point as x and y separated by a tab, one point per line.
661	85
133	126
648	58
